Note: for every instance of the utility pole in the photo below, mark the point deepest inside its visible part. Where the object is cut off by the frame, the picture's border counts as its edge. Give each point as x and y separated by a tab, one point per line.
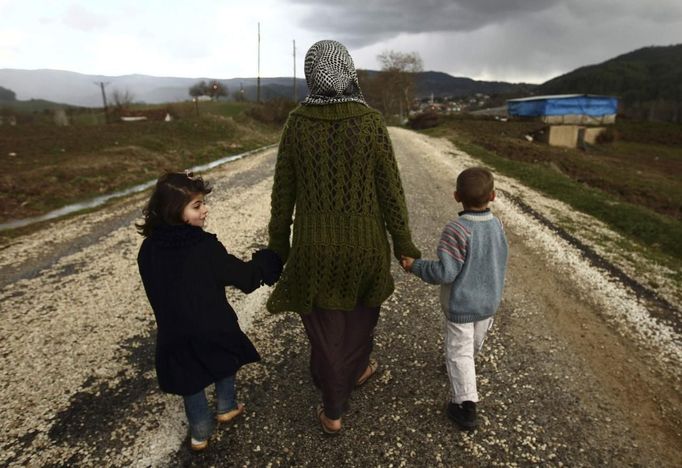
102	84
258	81
295	90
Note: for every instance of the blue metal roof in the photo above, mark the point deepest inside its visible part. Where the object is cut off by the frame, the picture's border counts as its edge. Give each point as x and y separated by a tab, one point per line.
565	104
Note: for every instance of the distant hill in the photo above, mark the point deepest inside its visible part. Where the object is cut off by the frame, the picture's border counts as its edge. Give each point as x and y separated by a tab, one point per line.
7	95
442	84
83	90
648	82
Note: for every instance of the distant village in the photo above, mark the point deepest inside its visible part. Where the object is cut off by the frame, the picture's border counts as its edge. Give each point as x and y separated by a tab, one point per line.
449	105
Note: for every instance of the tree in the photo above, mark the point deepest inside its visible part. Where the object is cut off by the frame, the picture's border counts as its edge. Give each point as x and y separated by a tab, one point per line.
199	89
216	90
122	99
392	89
398	79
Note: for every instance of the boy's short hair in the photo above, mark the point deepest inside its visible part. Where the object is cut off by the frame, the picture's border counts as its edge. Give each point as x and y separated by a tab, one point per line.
474	186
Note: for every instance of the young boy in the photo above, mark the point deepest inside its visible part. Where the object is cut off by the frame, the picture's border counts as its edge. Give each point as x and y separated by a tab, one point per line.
472	260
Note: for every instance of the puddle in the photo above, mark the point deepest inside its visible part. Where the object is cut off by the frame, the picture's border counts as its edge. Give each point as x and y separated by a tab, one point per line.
102	199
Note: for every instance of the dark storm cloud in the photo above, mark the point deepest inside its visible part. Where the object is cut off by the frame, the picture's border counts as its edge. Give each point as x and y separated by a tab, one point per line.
365	22
496	39
362	23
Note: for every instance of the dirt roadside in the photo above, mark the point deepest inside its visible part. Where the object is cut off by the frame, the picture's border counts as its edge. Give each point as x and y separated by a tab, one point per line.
562	380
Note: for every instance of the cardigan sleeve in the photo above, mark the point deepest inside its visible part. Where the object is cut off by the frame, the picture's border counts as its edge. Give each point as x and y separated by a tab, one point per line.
283	197
391	196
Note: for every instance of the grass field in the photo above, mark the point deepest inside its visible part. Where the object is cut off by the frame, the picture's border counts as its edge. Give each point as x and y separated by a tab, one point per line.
633	184
46	167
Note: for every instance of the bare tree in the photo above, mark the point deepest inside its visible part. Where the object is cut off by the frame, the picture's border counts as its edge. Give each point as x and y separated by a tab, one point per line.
398	79
409	62
122	99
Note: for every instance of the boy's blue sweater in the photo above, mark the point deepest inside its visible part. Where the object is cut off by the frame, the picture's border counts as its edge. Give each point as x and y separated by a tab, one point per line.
472	261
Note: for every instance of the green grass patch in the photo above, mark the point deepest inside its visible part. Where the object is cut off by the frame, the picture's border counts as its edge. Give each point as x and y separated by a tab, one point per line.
226	109
33	106
656	231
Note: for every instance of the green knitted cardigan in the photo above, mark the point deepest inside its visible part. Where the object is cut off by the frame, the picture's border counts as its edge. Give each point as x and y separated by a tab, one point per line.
336	167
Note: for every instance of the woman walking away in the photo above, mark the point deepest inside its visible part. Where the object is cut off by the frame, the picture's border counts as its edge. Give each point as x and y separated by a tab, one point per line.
337	169
184	271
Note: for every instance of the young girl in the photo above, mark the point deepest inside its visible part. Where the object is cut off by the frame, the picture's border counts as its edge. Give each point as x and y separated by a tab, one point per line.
185	270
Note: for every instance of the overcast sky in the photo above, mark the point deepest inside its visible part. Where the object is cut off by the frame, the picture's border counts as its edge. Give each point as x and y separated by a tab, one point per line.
506	40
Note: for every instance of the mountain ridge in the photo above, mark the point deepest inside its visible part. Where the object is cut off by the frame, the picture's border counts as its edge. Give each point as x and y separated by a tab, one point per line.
647	81
81	89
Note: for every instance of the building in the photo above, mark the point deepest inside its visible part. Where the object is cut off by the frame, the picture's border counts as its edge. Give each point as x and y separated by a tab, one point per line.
574	119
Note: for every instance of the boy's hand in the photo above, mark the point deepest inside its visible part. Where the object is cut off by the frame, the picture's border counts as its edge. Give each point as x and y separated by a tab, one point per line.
406	262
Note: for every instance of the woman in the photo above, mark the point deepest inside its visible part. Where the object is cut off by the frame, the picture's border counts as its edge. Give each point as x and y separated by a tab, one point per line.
336	167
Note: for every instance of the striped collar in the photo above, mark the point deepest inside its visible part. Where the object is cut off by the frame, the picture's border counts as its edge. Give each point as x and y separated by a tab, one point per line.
484	215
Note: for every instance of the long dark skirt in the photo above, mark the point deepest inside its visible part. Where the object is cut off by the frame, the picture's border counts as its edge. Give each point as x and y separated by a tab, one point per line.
341	343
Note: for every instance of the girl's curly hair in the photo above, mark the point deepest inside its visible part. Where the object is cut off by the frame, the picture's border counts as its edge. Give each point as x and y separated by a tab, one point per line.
173	191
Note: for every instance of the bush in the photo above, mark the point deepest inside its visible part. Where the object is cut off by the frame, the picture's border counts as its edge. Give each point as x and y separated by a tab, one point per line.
424	120
275	111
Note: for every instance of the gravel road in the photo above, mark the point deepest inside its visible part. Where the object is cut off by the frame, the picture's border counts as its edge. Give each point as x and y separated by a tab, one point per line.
582	366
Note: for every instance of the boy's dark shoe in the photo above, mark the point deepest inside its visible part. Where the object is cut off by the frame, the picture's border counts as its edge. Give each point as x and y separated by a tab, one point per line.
463	414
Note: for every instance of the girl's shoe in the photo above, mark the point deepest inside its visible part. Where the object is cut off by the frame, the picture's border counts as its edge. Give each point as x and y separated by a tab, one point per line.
198	445
230	415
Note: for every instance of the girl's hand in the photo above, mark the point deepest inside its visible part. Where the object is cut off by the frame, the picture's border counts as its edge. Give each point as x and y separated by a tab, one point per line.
269	265
406	262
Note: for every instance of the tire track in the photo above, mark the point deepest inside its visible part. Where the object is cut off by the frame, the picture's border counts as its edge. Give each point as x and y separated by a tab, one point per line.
657	306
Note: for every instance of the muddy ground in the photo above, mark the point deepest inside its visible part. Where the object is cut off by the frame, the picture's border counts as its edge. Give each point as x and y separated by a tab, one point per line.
47	167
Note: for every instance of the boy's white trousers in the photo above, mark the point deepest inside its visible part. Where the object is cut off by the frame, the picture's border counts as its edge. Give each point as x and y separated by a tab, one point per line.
463	341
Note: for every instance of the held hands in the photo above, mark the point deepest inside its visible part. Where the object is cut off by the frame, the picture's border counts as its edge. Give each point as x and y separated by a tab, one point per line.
269	264
406	263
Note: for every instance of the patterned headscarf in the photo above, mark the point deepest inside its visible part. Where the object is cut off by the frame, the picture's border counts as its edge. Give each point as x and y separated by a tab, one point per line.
330	74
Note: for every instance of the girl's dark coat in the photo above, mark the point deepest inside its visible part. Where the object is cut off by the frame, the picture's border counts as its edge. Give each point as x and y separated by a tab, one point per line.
184	271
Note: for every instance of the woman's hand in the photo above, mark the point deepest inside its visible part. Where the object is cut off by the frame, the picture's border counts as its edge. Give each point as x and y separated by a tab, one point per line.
269	264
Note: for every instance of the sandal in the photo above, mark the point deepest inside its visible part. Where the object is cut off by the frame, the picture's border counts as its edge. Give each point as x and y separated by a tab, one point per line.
319	412
372	366
230	415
